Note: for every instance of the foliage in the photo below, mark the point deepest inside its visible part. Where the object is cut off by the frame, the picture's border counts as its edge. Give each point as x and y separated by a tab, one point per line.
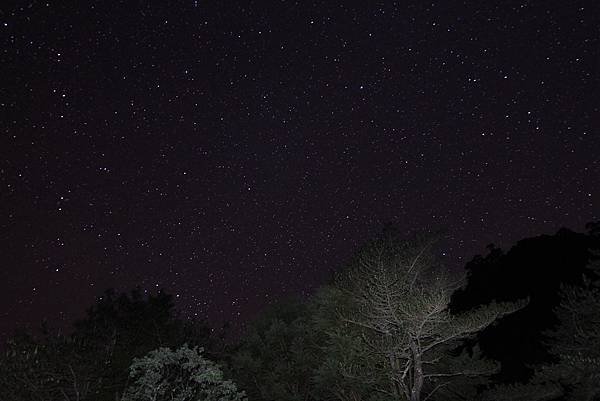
92	362
395	314
345	371
181	375
576	341
542	391
535	268
383	330
121	327
53	368
275	358
575	346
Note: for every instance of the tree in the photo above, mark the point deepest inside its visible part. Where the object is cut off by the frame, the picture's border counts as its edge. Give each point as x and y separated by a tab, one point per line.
395	309
537	390
181	375
276	356
576	341
346	370
534	268
574	345
51	368
121	327
20	368
92	362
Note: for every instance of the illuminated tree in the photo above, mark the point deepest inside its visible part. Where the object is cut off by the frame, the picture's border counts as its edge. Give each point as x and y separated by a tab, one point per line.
393	303
181	375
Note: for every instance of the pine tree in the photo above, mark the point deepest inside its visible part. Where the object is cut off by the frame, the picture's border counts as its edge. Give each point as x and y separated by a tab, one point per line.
392	307
576	341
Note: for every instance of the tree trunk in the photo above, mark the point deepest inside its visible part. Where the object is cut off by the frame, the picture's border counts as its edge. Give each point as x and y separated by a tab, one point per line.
417	385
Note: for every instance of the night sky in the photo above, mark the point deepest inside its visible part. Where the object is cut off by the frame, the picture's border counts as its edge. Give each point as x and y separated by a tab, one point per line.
233	153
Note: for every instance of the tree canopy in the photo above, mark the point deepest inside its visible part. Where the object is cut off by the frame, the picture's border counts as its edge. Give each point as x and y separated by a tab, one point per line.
180	375
393	325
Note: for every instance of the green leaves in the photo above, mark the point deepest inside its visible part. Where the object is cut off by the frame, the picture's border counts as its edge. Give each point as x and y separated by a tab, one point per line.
180	375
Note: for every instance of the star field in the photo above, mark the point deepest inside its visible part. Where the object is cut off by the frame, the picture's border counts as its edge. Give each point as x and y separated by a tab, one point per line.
236	152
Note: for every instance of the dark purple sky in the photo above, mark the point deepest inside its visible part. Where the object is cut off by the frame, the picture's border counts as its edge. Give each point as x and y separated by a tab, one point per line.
235	152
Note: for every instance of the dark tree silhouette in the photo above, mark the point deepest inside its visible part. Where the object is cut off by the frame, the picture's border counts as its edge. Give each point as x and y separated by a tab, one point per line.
93	361
535	268
575	342
275	359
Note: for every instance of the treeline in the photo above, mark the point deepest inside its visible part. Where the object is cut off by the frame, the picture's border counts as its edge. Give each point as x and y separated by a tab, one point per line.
392	325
